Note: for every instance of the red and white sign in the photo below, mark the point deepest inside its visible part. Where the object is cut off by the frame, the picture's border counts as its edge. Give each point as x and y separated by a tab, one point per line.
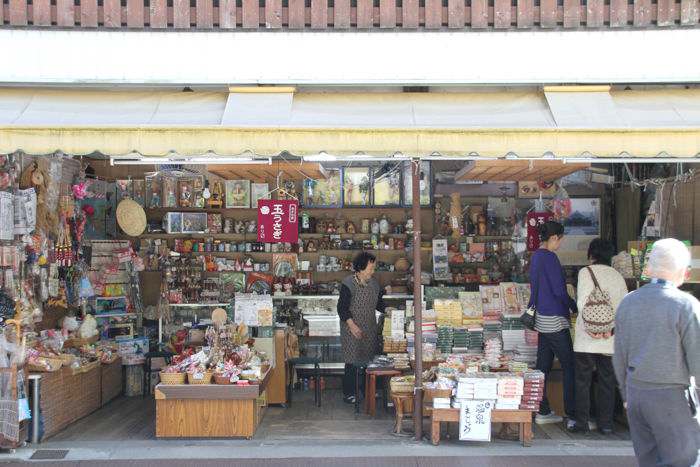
534	220
278	221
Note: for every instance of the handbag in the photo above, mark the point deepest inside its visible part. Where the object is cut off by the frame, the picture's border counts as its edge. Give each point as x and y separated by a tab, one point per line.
529	317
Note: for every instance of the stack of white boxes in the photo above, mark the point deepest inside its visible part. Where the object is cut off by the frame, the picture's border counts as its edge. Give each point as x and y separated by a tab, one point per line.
481	386
510	392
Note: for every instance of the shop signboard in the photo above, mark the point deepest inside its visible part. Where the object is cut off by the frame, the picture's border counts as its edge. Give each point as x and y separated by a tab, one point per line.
278	221
534	220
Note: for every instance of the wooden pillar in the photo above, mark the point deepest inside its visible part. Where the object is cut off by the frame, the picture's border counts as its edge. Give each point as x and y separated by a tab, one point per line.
417	303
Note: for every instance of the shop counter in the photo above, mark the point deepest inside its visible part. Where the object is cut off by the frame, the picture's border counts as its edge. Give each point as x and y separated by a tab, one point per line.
522	417
209	410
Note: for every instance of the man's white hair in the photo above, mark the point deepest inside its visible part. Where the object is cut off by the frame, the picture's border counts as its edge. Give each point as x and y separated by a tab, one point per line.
668	256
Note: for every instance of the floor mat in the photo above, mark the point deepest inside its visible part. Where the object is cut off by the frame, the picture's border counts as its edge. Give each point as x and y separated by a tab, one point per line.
49	454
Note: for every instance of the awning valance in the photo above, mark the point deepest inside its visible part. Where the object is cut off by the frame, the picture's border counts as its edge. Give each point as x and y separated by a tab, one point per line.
523	123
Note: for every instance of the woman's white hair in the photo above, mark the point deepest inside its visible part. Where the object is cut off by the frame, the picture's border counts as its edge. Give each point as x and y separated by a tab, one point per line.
668	257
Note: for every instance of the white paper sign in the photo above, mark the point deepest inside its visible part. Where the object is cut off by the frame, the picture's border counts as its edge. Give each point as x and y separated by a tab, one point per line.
253	310
7	216
25	211
475	420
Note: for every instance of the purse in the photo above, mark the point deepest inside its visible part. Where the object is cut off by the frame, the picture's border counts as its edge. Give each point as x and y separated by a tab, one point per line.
529	317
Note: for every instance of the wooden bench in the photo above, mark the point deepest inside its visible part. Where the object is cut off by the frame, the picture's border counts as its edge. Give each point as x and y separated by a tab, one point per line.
522	417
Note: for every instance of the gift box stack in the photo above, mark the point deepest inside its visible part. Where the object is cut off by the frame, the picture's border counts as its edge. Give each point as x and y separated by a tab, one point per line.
445	339
513	333
533	390
493	351
478	386
476	338
510	392
525	354
441	402
460	343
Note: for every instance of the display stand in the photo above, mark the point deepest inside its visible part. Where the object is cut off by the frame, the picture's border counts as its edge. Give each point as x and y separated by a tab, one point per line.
522	417
209	410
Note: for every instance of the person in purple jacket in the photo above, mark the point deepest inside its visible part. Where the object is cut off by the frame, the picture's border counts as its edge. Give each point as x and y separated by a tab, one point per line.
553	319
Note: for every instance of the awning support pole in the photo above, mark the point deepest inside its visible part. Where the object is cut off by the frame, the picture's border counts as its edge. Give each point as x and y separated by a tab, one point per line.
417	303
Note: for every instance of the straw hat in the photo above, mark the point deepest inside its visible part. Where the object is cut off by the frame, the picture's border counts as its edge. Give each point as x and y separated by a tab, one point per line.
131	217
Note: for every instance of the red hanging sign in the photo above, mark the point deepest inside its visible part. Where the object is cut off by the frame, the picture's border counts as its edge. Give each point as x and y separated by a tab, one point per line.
278	221
534	220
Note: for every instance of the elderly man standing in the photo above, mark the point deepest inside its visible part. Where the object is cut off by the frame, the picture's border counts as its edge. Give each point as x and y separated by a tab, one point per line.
657	352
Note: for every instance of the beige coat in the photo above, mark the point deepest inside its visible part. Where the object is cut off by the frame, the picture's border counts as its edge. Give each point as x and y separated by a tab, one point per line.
612	282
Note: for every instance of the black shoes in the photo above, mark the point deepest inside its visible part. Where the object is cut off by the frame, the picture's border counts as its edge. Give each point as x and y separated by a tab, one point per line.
606	431
349	399
576	428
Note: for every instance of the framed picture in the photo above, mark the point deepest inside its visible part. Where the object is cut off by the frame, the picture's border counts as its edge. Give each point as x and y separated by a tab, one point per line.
120	330
581	216
154	191
237	193
139	189
170	193
324	193
194	222
356	186
386	185
172	222
258	191
124	189
426	188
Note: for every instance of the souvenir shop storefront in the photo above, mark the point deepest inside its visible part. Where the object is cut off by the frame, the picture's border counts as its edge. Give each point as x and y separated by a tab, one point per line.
203	285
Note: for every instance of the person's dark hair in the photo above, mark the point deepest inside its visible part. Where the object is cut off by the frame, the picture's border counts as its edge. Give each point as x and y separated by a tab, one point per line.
362	260
550	229
601	251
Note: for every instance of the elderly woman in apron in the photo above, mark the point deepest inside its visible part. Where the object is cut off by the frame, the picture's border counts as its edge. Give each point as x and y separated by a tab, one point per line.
360	296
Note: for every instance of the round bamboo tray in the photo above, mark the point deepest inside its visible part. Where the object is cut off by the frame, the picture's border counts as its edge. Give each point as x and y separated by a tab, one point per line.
206	378
172	378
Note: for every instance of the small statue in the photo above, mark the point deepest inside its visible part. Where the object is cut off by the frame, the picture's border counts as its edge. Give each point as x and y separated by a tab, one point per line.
216	198
350	228
239	227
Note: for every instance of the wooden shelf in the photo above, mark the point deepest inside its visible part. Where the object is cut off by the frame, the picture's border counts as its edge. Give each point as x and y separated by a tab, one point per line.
220	236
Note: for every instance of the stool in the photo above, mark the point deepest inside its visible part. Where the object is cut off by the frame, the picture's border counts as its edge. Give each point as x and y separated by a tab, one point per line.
317	374
147	370
371	376
403	404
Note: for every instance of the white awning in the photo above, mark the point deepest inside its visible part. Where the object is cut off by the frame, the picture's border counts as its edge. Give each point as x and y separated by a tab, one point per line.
527	122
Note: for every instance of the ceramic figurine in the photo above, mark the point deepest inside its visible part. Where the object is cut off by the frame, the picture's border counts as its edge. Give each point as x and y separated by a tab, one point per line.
481	222
350	228
216	198
384	225
252	227
239	227
365	226
375	226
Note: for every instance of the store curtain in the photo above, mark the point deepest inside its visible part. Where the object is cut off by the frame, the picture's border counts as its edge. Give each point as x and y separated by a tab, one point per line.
628	203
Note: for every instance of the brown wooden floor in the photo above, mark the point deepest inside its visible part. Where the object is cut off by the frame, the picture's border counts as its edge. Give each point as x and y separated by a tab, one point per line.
133	418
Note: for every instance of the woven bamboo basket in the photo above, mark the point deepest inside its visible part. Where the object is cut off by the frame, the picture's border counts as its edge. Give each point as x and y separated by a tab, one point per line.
205	380
54	364
400	384
172	378
221	379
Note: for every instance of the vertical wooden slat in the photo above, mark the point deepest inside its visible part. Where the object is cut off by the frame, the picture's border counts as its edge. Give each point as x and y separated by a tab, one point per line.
159	14
664	15
273	14
595	13
642	12
455	14
480	14
251	14
365	14
88	13
41	13
572	13
341	14
618	13
181	14
112	11
205	14
65	13
18	12
501	14
690	12
526	13
433	14
387	13
548	13
134	14
319	14
410	14
296	14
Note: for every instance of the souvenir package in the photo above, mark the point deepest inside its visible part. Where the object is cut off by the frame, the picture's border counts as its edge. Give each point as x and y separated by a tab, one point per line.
509	298
185	193
154	191
259	283
124	189
214	223
170	193
194	222
284	264
237	194
471	304
172	222
491	299
231	284
139	191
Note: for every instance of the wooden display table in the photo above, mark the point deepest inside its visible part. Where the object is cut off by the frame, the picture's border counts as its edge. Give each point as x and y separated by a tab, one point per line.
371	375
522	417
209	410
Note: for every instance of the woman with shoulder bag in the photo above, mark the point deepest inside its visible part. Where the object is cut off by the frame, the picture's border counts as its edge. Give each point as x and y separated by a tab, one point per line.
599	292
552	319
